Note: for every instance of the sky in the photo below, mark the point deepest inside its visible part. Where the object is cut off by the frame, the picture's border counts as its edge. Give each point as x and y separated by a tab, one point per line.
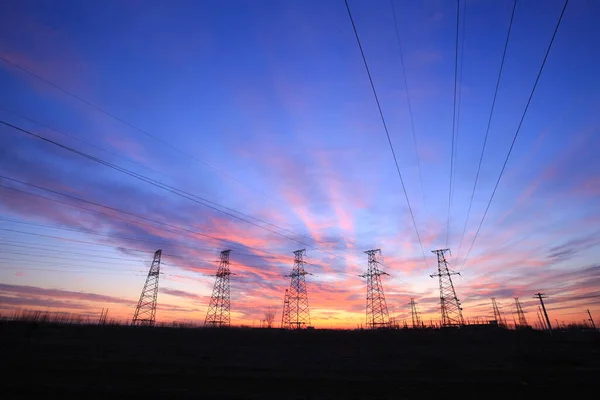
196	127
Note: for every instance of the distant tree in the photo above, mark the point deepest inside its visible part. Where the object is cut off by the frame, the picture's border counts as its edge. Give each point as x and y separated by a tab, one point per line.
269	317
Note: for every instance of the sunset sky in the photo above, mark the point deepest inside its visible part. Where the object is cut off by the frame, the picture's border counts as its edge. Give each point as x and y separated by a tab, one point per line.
260	118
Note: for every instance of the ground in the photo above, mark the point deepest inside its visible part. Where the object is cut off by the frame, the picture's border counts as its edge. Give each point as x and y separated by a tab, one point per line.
54	360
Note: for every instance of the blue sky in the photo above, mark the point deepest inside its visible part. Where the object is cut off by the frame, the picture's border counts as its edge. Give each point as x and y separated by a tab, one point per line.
265	107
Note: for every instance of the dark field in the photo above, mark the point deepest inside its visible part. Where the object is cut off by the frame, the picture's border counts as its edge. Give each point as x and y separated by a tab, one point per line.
98	361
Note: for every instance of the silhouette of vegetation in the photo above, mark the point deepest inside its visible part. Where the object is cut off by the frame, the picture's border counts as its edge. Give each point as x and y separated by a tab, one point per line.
269	317
78	359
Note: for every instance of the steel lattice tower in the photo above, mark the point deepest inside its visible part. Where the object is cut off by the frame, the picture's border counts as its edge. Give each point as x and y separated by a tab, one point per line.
218	313
145	312
377	312
285	315
297	308
449	304
521	315
416	321
497	315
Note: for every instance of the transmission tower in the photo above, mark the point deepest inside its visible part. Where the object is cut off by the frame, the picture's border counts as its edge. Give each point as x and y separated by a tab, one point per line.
521	314
218	313
497	315
377	312
416	322
145	312
298	312
449	304
285	315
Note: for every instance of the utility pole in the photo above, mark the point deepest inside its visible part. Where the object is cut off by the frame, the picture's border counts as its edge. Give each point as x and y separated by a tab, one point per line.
541	297
449	304
591	319
145	312
285	315
416	323
521	314
219	308
376	310
497	316
299	313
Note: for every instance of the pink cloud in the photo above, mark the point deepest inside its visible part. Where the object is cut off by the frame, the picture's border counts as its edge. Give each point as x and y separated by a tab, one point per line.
127	146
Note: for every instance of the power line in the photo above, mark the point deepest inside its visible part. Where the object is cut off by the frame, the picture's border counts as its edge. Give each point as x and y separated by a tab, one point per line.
43	253
125	212
229	242
518	128
54	257
460	78
79	139
83	241
105	245
64	271
82	231
362	53
165	175
487	131
146	167
43	246
53	251
410	113
79	262
453	122
171	189
105	112
119	237
116	247
83	200
145	251
150	169
92	233
61	252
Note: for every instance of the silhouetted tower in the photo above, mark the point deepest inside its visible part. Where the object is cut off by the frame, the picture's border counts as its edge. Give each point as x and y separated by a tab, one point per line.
299	314
145	312
377	312
591	319
497	315
520	314
218	313
542	297
449	304
416	322
285	314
